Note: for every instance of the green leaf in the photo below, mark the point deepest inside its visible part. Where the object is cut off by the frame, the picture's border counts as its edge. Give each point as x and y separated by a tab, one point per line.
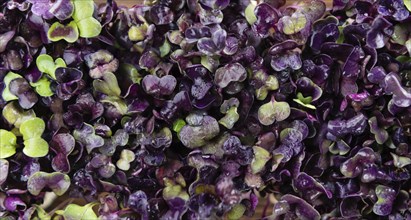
272	111
261	93
82	9
272	83
261	157
174	189
230	118
60	63
89	27
400	161
7	95
42	87
126	157
119	103
83	17
138	33
7	144
58	182
41	213
178	125
282	110
210	63
32	128
76	212
46	64
15	115
108	85
294	24
249	14
236	212
304	101
403	59
67	32
165	48
341	37
401	32
265	114
129	72
305	105
407	4
34	145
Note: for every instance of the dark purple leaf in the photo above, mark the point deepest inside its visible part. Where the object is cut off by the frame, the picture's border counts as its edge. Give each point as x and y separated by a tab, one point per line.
267	17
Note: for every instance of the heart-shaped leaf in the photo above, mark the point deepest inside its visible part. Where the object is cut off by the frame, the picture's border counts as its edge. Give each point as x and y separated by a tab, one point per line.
213	45
339	147
34	145
120	138
76	212
59	31
198	130
126	157
294	23
86	135
62	144
7	144
154	85
270	84
69	82
272	111
234	72
57	182
88	26
386	197
46	64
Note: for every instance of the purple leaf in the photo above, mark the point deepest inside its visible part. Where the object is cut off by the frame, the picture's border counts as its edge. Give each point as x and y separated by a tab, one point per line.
62	144
154	85
230	73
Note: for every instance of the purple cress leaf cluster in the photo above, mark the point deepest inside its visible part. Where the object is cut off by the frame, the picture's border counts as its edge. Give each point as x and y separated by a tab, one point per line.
202	109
